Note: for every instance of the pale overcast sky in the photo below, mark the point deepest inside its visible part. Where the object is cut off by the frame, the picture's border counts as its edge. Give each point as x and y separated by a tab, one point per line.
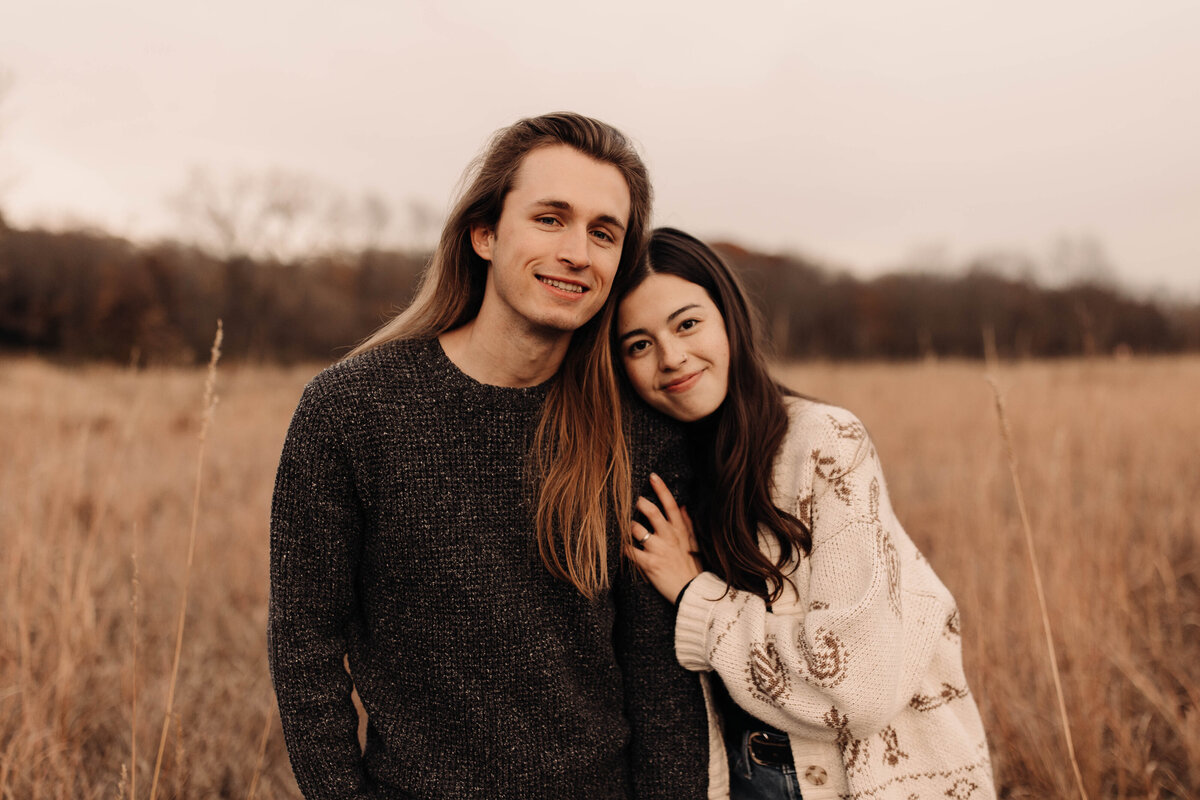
858	133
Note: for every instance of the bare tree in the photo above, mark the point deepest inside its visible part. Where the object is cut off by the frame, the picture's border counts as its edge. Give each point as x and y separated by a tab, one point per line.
423	221
375	216
276	214
6	82
1080	259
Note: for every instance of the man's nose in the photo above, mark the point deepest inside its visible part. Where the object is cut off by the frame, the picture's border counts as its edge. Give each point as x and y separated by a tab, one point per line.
573	247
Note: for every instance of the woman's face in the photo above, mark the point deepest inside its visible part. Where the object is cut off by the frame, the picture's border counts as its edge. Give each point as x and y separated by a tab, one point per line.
674	348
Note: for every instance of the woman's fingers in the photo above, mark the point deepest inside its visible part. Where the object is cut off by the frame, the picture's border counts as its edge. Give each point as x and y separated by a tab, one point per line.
639	558
665	497
653	515
661	554
670	521
693	544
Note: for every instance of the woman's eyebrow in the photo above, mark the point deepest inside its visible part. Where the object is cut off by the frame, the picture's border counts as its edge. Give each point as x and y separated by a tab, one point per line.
633	332
677	312
670	317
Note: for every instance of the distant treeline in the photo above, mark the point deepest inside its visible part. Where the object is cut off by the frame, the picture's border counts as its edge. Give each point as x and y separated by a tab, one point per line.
810	312
86	295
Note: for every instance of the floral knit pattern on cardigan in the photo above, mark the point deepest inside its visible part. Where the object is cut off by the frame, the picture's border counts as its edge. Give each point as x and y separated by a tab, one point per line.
860	660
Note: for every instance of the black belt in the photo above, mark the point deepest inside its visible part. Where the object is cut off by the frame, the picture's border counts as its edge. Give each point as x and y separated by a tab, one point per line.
767	753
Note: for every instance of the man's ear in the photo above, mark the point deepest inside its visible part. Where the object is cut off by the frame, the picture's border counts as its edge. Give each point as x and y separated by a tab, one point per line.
481	240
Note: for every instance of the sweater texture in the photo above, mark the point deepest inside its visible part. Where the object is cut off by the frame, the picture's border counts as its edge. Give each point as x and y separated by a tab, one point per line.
860	660
402	547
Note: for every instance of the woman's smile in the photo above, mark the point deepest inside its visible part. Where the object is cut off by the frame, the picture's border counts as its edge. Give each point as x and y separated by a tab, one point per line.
684	383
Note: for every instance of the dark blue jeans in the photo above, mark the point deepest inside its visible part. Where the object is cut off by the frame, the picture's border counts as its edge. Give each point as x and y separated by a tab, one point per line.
752	781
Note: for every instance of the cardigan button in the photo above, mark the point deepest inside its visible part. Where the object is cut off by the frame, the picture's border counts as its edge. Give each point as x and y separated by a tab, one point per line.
816	775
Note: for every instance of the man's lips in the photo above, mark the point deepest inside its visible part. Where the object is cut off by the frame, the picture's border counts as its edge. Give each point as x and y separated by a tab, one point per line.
563	285
684	383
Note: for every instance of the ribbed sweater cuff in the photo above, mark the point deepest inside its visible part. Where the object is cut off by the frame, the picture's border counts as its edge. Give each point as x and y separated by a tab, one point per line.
691	621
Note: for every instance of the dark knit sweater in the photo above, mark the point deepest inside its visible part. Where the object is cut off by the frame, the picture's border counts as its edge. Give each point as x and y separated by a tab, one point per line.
402	536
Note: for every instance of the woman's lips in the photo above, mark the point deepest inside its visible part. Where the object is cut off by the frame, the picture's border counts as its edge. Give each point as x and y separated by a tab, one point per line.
684	383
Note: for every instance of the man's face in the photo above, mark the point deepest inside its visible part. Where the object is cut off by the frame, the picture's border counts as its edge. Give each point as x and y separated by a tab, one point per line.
554	252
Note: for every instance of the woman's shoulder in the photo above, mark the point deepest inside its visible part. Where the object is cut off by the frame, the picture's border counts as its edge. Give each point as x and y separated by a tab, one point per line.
814	422
822	440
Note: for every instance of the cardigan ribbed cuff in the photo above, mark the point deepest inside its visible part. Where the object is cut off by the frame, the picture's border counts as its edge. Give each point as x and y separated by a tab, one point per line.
679	597
691	620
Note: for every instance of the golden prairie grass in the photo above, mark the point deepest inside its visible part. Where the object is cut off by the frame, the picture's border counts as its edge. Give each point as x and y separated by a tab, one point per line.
98	463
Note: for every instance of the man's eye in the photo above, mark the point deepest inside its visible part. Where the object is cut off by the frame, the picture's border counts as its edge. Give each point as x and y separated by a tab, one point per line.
547	220
603	236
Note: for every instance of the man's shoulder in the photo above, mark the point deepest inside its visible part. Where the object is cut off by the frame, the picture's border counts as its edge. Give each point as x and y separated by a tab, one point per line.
388	371
393	363
648	428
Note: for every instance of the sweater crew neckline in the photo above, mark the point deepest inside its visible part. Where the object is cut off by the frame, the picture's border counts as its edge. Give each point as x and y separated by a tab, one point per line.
459	381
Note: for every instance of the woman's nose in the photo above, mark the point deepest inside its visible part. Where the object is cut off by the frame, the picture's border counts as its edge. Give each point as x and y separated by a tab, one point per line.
671	355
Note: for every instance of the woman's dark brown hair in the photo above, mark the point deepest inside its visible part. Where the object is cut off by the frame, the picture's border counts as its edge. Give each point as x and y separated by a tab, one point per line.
736	445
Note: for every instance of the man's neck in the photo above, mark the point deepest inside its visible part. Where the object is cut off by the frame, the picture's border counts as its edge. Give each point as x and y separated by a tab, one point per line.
505	357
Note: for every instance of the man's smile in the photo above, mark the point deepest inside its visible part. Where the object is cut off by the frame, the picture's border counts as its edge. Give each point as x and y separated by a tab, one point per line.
566	286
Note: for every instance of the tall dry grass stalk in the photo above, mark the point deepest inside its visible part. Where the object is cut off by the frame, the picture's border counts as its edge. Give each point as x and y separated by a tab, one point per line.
262	751
991	360
1037	578
133	715
210	405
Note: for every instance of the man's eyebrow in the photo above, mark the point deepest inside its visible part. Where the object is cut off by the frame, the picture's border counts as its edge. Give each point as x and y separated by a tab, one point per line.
611	220
672	316
563	205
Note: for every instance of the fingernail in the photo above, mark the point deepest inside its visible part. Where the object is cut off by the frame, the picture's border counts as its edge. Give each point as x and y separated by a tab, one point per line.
654	476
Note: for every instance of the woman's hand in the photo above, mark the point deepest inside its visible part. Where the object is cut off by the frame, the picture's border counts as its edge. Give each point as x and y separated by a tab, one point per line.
669	555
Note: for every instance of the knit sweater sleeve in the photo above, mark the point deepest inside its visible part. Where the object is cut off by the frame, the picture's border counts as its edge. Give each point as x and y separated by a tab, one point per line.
664	703
315	531
844	649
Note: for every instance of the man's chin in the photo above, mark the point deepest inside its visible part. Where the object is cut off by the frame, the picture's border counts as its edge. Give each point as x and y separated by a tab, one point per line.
565	323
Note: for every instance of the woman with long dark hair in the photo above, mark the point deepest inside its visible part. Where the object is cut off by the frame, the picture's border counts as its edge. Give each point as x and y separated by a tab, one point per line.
836	649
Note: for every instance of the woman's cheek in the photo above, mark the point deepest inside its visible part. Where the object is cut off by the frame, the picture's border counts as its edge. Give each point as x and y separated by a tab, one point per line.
642	379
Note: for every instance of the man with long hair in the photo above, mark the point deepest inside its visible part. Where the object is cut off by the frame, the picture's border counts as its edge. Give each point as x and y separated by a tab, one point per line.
450	509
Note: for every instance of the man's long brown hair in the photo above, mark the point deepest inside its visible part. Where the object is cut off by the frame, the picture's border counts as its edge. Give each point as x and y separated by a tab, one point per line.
736	445
579	463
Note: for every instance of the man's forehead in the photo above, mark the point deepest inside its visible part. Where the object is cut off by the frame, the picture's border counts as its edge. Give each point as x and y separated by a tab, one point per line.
559	176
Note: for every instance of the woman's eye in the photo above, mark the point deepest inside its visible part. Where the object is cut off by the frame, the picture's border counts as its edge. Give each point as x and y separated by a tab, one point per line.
637	347
688	324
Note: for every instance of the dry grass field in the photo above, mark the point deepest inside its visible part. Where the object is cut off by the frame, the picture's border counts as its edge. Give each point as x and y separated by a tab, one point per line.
98	470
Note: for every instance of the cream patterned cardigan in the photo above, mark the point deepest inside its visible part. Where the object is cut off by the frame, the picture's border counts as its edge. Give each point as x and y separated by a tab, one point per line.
860	660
